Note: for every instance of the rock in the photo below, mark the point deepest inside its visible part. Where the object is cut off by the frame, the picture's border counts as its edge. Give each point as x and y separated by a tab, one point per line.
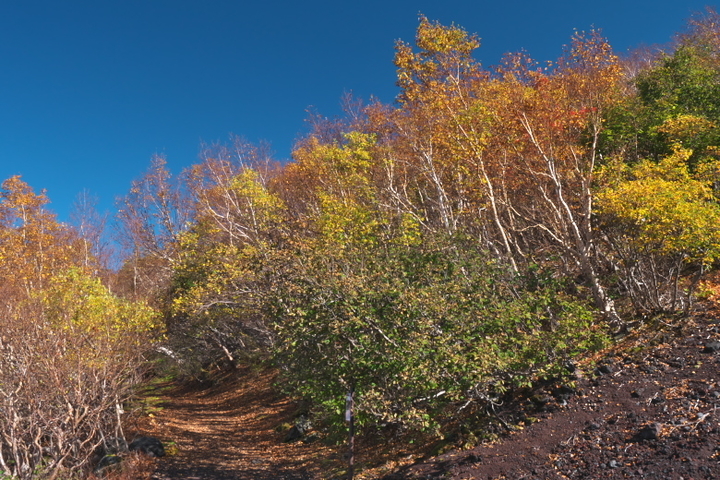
712	347
293	435
637	393
658	400
471	459
148	445
699	392
604	370
677	363
648	432
592	426
563	394
302	426
540	400
649	369
311	438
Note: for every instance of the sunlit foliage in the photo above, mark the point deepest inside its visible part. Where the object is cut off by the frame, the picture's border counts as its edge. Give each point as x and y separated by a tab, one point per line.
431	254
71	352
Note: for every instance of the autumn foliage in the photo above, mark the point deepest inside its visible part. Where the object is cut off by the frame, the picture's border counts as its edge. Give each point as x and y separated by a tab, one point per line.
70	350
472	237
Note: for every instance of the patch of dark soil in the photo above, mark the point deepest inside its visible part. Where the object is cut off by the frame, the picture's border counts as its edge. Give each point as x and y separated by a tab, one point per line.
652	413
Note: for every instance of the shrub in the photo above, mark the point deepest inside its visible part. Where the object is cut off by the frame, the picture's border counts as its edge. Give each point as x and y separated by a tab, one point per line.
413	328
69	358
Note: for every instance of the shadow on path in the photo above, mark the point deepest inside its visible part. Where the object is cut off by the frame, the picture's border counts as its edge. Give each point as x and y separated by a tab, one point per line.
229	432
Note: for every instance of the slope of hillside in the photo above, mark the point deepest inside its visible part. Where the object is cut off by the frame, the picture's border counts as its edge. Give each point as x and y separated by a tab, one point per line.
648	409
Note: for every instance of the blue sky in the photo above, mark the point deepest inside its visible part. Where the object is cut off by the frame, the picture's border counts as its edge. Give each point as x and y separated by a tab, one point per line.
91	89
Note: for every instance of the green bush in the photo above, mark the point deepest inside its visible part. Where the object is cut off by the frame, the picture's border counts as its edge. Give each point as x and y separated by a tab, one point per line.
412	328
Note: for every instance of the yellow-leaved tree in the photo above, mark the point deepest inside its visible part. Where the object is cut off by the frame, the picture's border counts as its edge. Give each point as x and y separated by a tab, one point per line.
663	223
70	351
216	290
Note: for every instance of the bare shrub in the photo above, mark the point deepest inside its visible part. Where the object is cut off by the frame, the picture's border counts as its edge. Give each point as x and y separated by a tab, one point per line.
69	359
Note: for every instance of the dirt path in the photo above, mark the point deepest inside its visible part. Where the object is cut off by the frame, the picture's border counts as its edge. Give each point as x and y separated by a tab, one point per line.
230	432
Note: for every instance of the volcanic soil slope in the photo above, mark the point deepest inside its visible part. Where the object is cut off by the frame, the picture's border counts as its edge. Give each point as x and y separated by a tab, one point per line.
649	411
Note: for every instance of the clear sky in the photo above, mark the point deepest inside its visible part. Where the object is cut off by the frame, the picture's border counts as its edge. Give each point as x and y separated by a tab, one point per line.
91	89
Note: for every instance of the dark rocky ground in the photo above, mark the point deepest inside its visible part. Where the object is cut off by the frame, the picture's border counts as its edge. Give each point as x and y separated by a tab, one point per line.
649	409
